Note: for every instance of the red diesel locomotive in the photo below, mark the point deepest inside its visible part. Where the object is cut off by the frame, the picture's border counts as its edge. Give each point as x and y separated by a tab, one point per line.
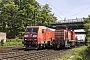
41	36
64	38
38	36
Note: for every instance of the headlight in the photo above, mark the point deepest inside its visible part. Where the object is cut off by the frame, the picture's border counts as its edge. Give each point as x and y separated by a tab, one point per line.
34	35
25	39
25	35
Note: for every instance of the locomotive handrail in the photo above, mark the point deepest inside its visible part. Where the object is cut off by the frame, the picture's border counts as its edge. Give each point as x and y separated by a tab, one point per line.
71	20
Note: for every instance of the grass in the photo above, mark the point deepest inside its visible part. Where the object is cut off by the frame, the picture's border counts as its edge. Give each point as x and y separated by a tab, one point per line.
13	42
84	54
81	53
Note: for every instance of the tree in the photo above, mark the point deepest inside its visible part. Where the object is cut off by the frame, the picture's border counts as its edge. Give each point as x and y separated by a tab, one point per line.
28	6
45	16
87	26
2	2
9	18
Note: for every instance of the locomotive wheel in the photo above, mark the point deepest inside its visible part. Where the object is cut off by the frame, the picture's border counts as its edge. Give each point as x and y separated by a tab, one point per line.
39	46
58	46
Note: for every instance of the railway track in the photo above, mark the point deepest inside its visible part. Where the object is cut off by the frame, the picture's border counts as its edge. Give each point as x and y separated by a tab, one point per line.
32	54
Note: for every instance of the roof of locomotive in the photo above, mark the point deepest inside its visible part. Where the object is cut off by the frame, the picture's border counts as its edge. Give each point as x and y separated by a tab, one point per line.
44	27
50	29
34	26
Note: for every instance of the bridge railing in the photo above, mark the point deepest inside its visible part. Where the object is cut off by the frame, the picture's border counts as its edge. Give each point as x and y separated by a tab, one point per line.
71	20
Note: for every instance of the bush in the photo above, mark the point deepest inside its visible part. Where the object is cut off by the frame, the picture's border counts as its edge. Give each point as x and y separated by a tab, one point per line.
2	42
21	35
12	42
79	52
84	54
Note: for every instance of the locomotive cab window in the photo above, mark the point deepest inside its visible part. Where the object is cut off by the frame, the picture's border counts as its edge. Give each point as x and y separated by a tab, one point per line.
35	30
32	30
42	30
28	29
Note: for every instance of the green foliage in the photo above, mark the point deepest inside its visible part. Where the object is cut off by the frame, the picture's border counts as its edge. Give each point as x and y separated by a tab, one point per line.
87	26
9	18
84	54
46	17
21	34
13	42
2	2
77	52
2	42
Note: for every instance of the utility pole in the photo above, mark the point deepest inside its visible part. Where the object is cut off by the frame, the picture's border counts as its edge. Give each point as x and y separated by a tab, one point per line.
20	4
34	17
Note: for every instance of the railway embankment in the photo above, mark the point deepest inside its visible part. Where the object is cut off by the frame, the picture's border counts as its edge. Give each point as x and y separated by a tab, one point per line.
78	53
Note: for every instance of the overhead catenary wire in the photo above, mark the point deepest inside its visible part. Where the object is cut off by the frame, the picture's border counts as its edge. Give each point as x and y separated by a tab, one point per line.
56	9
58	16
79	12
63	14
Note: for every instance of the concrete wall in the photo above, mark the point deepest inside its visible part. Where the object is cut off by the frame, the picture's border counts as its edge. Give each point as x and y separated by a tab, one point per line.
2	36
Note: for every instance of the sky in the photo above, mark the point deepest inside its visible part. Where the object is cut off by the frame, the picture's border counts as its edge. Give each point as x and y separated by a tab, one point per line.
69	9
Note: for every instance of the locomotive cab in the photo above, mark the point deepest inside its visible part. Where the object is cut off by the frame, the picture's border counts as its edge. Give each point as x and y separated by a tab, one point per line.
30	36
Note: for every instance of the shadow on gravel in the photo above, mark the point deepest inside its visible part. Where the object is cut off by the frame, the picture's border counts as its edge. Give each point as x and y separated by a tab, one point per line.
50	48
18	48
29	49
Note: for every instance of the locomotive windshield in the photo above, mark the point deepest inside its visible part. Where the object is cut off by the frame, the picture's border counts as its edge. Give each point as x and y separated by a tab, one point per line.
32	30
